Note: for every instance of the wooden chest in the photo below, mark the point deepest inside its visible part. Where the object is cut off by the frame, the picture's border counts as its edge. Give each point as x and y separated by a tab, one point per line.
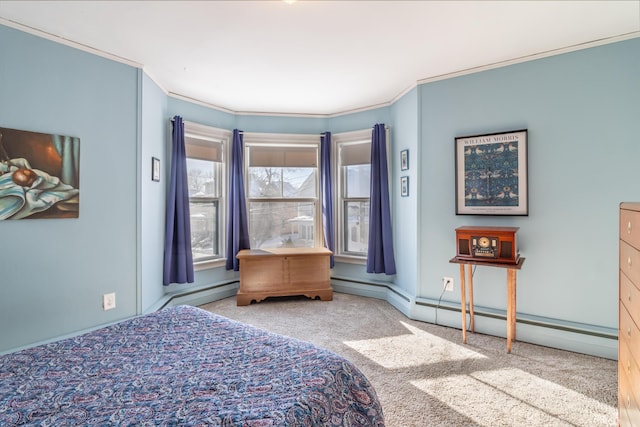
284	272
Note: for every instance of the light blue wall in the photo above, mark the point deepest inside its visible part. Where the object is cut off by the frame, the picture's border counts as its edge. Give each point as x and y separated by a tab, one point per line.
281	124
582	111
154	135
360	120
405	136
199	113
53	272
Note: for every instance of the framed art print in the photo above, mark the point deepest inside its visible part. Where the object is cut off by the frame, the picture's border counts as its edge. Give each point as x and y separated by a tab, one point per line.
491	174
404	160
155	169
404	186
39	175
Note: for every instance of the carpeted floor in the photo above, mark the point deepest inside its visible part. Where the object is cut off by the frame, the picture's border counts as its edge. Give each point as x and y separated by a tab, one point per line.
425	376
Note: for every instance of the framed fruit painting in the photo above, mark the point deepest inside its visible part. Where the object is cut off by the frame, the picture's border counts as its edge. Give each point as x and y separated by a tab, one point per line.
39	175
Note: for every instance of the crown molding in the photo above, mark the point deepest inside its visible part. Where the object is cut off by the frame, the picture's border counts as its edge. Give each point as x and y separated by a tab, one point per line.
533	57
67	42
500	64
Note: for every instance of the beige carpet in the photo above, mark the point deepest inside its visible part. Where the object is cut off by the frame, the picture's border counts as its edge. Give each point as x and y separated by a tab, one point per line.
425	376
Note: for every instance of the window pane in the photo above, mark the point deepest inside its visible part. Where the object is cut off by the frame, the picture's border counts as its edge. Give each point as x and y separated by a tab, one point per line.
281	224
204	229
282	182
357	180
204	178
355	154
283	156
356	233
301	182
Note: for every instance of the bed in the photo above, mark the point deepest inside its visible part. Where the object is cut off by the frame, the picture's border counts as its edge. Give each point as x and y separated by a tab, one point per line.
183	366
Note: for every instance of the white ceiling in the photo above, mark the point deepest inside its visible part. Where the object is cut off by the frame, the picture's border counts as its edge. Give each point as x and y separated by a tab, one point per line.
318	57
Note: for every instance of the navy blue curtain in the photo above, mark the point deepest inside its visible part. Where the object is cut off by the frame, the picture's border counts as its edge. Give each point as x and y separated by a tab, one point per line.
327	196
237	224
178	260
380	258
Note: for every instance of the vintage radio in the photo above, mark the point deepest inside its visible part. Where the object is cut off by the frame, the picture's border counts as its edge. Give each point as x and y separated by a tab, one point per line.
492	244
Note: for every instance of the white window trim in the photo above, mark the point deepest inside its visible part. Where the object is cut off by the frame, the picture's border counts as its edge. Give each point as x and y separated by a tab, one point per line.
205	132
256	138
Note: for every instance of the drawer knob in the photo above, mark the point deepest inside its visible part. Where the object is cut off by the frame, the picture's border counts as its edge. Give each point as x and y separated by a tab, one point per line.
629	296
629	261
629	227
629	332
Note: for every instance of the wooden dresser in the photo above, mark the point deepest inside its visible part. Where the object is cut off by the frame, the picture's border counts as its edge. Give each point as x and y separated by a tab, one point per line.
629	316
283	272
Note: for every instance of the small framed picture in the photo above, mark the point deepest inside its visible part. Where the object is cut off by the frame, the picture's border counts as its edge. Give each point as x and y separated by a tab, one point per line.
404	186
404	160
155	169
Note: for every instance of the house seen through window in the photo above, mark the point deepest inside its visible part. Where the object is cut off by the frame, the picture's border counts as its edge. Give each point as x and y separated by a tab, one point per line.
283	191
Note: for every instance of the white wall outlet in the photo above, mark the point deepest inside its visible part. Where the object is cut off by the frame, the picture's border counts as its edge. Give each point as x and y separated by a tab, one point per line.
447	284
109	301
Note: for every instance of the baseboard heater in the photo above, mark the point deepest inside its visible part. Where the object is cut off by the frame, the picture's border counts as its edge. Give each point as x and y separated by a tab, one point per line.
525	320
370	283
186	293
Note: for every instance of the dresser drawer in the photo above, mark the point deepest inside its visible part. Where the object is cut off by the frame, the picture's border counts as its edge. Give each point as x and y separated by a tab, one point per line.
630	298
630	226
628	366
630	262
628	333
629	411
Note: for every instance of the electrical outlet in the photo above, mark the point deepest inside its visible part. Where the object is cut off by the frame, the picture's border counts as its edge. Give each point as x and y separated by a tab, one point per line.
447	284
109	301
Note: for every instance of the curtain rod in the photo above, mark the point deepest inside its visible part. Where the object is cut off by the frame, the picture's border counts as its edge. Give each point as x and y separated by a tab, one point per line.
321	133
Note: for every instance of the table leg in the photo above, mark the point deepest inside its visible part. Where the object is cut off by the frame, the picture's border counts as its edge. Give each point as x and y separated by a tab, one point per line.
513	304
463	304
511	307
470	277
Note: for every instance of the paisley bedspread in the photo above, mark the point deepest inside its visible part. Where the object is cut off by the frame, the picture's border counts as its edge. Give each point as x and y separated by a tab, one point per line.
183	366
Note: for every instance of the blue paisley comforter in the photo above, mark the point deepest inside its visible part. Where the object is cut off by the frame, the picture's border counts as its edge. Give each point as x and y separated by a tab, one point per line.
183	366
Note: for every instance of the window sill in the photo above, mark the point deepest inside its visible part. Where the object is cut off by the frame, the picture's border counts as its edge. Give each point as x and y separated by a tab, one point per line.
350	259
212	263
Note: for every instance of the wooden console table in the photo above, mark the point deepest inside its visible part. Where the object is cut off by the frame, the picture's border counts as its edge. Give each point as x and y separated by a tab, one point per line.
284	272
511	295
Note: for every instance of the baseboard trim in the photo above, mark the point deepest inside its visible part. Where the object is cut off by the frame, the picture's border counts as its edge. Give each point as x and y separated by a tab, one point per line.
581	338
336	281
532	320
571	336
197	296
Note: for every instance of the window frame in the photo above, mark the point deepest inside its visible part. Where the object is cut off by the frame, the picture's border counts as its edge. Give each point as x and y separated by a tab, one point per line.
339	189
277	140
223	137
